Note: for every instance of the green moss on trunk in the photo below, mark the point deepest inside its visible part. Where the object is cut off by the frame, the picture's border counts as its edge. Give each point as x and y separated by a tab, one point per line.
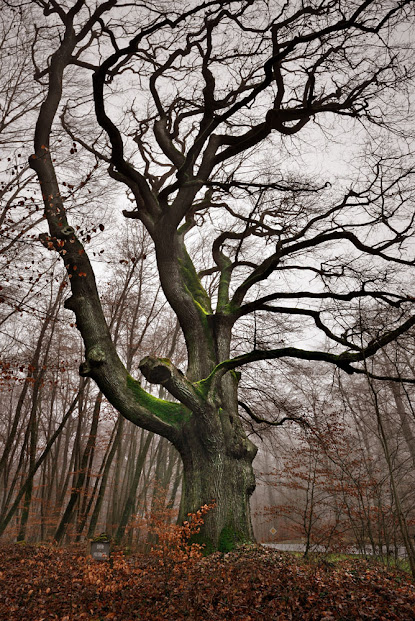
229	538
193	284
172	413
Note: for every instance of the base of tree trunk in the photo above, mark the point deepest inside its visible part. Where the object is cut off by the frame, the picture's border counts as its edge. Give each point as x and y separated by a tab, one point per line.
227	481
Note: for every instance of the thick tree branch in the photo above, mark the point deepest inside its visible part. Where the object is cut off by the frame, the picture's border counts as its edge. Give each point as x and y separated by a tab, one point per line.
343	360
162	371
392	299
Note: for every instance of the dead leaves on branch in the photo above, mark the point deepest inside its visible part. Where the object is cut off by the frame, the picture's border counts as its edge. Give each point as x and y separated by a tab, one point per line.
251	583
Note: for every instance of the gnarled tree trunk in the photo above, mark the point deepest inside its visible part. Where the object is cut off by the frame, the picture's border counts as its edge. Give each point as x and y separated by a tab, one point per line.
199	144
215	471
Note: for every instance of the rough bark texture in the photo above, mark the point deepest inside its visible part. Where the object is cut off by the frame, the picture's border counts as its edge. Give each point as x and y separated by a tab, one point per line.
212	472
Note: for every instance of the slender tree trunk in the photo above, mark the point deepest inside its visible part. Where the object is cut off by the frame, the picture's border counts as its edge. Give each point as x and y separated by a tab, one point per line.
87	459
62	481
130	500
39	375
33	432
177	479
403	416
114	508
14	508
308	515
403	526
160	481
103	486
81	475
32	376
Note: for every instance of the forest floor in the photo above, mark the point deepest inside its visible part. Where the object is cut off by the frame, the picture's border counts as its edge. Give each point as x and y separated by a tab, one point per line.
41	583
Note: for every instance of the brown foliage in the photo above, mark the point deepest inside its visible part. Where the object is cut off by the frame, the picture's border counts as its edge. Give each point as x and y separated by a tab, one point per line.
251	583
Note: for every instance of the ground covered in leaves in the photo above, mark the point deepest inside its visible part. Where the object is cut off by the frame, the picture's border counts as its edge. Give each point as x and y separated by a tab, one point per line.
39	583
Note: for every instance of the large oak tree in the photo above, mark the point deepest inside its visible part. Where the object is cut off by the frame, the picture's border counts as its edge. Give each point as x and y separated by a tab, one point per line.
197	108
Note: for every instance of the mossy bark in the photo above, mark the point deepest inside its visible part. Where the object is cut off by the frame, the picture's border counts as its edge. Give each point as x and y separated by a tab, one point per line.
227	481
217	466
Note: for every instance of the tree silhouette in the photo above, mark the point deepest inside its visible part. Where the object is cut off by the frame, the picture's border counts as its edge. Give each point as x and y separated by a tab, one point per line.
193	105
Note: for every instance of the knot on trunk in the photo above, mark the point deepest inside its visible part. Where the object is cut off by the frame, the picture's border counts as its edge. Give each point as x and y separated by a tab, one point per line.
157	370
37	159
70	303
67	231
162	371
95	357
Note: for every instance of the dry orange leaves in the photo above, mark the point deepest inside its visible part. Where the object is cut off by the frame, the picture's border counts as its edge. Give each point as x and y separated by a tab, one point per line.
248	584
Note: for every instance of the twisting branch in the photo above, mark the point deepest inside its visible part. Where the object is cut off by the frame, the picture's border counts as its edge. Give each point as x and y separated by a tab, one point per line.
273	423
344	361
